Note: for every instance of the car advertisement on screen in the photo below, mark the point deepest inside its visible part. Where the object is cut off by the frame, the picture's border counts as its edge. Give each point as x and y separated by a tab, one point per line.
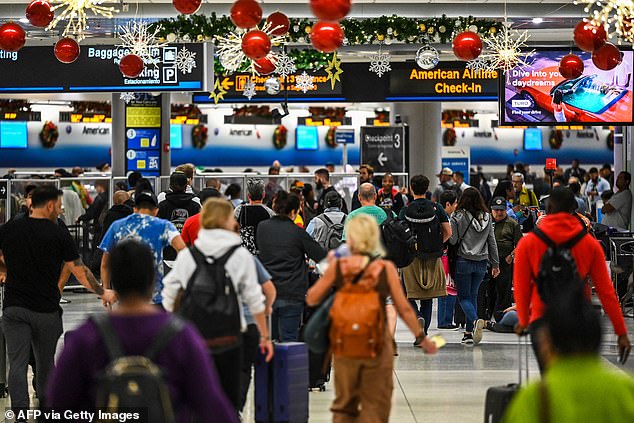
539	95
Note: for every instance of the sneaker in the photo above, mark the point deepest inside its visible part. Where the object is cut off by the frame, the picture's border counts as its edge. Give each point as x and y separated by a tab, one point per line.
477	331
467	339
64	301
421	323
489	325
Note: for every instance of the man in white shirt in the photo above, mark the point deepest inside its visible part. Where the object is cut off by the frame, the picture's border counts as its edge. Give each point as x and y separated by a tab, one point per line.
617	211
458	178
595	186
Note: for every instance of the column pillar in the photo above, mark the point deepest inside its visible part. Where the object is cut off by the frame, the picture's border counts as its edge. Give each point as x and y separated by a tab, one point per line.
166	153
424	121
118	136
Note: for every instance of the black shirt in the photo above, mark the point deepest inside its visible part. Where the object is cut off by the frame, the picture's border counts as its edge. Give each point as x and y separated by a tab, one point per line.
34	251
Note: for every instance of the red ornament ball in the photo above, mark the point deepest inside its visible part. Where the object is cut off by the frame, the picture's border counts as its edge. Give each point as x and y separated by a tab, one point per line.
67	50
256	44
467	45
607	57
187	7
39	13
330	10
246	14
131	65
264	66
278	19
326	36
571	66
589	37
12	37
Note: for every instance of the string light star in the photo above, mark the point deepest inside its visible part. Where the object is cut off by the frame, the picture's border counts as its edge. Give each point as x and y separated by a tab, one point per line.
75	11
505	50
334	70
218	92
139	39
613	15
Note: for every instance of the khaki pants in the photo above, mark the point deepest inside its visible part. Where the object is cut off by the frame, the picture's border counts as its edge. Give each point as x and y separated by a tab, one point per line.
363	388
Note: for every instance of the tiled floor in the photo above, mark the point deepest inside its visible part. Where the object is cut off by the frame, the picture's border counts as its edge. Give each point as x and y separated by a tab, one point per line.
447	387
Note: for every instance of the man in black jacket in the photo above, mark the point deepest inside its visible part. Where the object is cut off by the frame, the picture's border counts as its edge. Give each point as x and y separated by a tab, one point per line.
322	181
119	210
283	250
177	207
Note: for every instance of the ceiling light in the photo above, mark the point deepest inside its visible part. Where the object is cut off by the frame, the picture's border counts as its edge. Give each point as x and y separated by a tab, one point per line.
537	21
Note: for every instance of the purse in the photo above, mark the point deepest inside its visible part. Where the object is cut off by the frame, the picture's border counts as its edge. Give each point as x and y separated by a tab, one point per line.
317	329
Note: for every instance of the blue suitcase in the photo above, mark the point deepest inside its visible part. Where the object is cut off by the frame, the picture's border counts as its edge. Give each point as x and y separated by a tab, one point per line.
281	387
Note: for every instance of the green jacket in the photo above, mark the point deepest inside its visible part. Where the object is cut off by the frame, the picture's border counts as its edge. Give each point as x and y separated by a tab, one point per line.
579	389
507	234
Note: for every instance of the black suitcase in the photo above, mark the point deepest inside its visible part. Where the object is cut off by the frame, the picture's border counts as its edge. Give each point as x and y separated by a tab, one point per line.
319	370
498	398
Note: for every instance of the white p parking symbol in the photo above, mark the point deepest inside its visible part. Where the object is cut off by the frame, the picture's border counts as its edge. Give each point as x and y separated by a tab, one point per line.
169	75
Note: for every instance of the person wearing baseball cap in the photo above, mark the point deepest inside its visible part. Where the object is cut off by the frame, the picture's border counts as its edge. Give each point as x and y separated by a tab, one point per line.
446	182
507	234
145	227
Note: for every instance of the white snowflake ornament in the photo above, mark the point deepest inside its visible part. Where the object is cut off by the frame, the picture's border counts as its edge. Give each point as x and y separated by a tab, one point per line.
185	60
127	97
249	90
380	63
304	82
285	65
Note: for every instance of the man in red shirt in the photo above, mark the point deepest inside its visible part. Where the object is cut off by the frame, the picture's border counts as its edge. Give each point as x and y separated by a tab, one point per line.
561	225
192	224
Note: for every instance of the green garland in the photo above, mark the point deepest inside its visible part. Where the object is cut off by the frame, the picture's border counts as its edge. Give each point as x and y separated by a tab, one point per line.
386	29
304	60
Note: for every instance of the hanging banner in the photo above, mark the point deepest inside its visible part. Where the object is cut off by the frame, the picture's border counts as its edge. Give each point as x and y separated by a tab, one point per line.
176	67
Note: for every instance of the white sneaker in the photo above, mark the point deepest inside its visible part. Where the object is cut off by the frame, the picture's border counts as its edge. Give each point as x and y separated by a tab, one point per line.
477	331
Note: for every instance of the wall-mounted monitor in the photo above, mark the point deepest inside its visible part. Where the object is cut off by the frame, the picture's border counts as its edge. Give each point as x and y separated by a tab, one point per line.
533	139
13	134
176	136
306	138
539	95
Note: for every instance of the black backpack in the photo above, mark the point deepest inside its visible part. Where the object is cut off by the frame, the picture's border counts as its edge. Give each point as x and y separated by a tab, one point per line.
210	301
425	224
399	241
178	218
558	274
334	233
135	382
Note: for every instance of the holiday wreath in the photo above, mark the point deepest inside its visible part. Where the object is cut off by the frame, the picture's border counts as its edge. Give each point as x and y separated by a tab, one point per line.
199	136
279	137
49	134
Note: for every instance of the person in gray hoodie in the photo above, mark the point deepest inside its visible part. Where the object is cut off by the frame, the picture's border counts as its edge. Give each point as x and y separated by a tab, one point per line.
473	235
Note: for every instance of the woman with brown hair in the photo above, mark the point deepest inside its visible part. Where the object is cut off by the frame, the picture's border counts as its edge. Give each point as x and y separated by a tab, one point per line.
473	236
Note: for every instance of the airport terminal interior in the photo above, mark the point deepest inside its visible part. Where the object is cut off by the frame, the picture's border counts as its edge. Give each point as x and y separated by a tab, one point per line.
518	113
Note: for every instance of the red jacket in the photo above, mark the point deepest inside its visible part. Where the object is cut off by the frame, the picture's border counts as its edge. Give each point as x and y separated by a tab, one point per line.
589	257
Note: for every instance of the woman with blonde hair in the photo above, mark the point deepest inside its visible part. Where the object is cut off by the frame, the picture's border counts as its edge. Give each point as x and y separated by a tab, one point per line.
218	242
360	341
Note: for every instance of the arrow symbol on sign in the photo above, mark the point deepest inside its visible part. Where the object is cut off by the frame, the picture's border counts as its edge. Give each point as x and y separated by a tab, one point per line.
3	190
382	159
226	84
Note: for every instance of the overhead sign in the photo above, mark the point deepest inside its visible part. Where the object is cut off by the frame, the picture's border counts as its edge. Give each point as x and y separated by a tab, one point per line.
344	136
383	147
176	67
457	159
233	86
448	81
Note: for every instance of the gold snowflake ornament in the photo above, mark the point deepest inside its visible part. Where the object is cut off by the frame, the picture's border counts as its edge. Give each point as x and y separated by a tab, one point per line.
75	11
506	50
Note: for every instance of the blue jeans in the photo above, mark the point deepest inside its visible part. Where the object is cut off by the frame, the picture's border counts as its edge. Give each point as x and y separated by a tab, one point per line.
286	320
469	276
445	310
510	319
424	311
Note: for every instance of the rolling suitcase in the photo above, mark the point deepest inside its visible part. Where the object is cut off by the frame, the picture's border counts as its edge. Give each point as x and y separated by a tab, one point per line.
281	386
498	398
319	369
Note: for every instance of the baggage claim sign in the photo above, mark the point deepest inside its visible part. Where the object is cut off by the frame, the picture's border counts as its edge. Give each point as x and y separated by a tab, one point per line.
176	67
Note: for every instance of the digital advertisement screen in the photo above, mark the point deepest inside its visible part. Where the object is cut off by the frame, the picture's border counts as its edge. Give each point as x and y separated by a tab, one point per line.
176	137
13	134
539	95
306	138
533	139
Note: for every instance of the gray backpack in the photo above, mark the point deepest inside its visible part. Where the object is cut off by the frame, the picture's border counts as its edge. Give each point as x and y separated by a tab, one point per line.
334	233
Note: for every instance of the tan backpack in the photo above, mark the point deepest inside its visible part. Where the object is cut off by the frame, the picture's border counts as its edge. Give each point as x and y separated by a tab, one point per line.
357	317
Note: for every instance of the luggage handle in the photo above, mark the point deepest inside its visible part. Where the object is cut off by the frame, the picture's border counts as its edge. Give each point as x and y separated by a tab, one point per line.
519	354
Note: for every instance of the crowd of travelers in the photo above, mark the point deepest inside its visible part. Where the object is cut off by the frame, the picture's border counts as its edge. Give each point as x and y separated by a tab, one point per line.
200	285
